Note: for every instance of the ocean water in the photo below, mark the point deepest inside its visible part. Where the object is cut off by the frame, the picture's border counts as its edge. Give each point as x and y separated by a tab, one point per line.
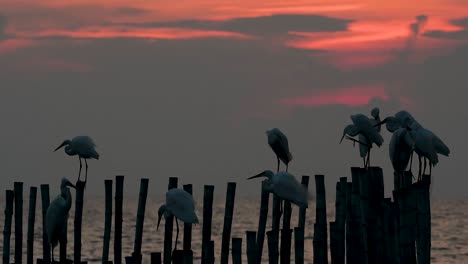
449	229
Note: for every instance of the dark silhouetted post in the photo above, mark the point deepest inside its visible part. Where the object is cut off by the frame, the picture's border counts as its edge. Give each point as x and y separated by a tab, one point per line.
9	199
251	247
285	250
237	250
353	218
423	240
140	220
156	258
340	219
45	204
108	220
275	223
188	227
302	210
334	242
299	245
262	221
168	226
375	215
80	187
228	212
31	220
207	219
364	185
18	188
273	253
320	226
209	253
118	219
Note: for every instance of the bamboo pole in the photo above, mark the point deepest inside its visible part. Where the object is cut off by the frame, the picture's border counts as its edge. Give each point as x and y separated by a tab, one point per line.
262	221
251	247
18	189
228	213
424	221
108	220
9	199
140	220
275	226
168	227
156	258
375	216
364	185
340	219
209	253
320	227
45	241
188	227
285	250
79	201
353	219
299	245
334	240
302	210
273	253
207	219
236	250
31	220
118	219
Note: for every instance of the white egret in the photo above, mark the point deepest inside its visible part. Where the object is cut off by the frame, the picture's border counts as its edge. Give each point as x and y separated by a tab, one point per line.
362	125
179	204
279	144
286	186
84	147
400	150
363	148
57	215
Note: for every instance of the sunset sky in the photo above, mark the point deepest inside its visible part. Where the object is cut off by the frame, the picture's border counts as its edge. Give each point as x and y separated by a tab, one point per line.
188	88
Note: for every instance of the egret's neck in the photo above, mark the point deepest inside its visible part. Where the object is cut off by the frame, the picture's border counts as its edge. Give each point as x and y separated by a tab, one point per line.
66	194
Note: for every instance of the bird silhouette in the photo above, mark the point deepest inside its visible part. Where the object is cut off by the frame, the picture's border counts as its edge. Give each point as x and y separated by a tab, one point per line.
280	146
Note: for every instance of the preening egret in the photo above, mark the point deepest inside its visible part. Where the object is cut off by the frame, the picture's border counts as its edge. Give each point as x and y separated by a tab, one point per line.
279	144
286	186
180	204
363	148
57	215
83	146
362	125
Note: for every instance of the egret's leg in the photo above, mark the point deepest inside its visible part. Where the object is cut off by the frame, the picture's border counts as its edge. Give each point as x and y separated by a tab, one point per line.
364	160
411	161
86	174
79	172
177	234
287	165
277	170
430	168
425	165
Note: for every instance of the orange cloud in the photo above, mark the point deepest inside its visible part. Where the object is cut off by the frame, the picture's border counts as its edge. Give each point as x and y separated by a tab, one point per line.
12	45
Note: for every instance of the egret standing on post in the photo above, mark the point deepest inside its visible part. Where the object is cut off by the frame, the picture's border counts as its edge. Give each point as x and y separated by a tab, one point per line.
363	148
279	144
180	204
57	215
83	146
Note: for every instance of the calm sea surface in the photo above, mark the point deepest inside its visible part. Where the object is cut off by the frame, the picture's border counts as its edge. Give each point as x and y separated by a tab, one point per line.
449	229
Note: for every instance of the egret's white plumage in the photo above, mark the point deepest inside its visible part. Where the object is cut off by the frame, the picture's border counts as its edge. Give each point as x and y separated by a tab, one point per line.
280	146
84	147
57	215
180	204
363	148
400	149
286	186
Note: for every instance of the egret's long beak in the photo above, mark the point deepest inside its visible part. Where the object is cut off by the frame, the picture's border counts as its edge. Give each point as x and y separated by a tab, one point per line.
344	134
61	145
262	174
159	220
381	122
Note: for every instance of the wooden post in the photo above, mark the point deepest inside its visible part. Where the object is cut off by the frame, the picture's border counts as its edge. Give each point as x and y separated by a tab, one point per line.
79	200
262	221
364	185
334	242
273	253
118	219
285	250
168	226
302	210
236	250
9	199
251	247
207	218
353	218
340	219
228	212
406	244
188	227
275	227
156	258
108	220
299	245
178	257
45	241
31	220
209	253
140	219
320	226
375	215
389	253
18	189
423	240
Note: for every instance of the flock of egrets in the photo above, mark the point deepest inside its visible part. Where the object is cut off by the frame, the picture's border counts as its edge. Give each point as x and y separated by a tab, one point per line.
408	136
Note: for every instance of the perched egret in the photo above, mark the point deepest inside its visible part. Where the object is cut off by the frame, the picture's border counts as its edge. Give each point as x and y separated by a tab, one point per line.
83	146
400	150
362	125
57	215
179	204
286	186
279	144
363	147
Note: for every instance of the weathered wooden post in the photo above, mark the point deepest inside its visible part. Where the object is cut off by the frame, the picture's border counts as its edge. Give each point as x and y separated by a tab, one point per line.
45	241
353	219
228	212
79	201
156	258
423	240
107	220
207	219
299	245
302	210
320	227
338	251
187	244
136	255
209	253
251	247
9	199
262	221
273	253
168	226
389	236
364	185
236	250
334	242
31	220
286	233
406	243
18	189
118	219
275	225
375	216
